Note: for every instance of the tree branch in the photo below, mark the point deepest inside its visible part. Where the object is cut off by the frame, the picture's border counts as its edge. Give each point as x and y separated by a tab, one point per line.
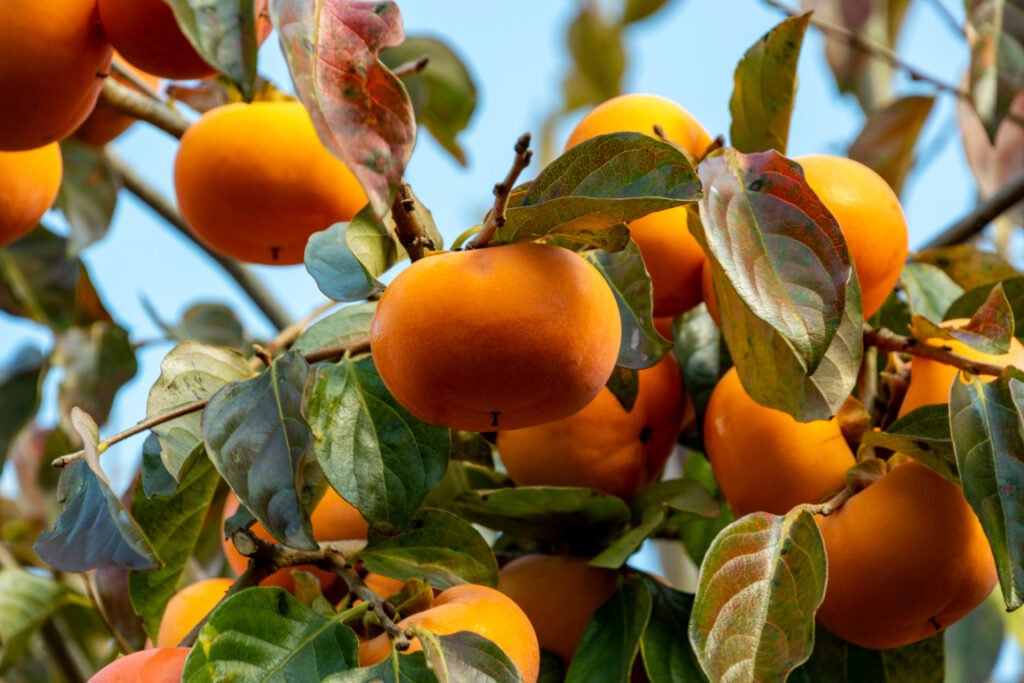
288	335
137	105
886	340
241	274
56	643
410	231
496	218
987	211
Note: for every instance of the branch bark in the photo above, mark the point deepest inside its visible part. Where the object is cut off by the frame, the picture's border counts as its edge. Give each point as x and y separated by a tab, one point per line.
496	218
987	211
408	228
886	340
127	101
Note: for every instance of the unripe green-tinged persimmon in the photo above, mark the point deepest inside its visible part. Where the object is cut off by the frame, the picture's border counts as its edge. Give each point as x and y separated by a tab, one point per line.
559	594
468	607
333	519
930	380
906	558
763	459
497	338
29	182
105	123
603	447
55	57
672	255
187	608
254	182
155	665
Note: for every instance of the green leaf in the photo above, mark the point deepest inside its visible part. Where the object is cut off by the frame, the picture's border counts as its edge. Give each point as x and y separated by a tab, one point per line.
599	59
346	258
374	452
258	439
923	435
20	391
466	656
156	480
985	419
348	325
760	585
94	529
702	356
638	10
190	372
765	87
213	324
887	141
460	478
443	94
624	271
667	658
97	361
223	32
611	640
996	37
266	635
545	512
973	644
598	184
836	661
172	524
360	109
968	266
969	302
624	385
988	331
395	669
788	295
437	547
930	292
88	193
26	601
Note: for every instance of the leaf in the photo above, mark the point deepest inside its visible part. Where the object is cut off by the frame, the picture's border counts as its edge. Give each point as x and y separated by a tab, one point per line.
213	324
156	480
969	302
765	87
836	661
210	93
97	361
88	193
624	271
973	644
789	300
265	634
967	265
190	372
985	419
667	658
41	282
923	435
395	669
224	33
443	94
989	330
172	524
94	529
929	291
638	10
438	547
259	441
545	512
994	164
624	385
886	143
598	184
26	601
466	656
360	109
599	59
611	640
996	36
346	258
376	454
702	356
761	582
345	326
20	391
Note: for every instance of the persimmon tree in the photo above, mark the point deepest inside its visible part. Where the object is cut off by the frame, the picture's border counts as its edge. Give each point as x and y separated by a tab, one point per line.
445	478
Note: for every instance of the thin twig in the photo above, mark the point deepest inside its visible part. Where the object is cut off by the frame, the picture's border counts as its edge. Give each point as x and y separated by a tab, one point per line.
241	274
133	79
288	335
411	233
127	101
412	67
384	610
496	218
886	340
56	643
987	211
832	504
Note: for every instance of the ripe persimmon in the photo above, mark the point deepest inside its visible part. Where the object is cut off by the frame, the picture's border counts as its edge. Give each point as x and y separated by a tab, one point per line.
55	57
603	446
29	182
188	607
254	182
154	665
104	123
468	607
496	338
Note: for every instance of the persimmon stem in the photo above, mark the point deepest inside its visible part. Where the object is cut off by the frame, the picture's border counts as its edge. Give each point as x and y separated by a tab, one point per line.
154	112
832	504
984	213
410	231
496	218
412	67
384	610
889	341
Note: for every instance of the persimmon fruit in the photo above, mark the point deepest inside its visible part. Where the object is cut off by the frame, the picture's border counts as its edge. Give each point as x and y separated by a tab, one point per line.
188	607
29	182
154	665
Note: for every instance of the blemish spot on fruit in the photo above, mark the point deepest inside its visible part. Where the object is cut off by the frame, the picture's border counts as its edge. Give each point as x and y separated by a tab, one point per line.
934	622
275	253
645	435
494	417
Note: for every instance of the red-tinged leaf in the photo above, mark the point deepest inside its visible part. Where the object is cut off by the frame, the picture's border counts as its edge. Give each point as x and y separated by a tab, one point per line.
360	109
886	143
994	164
990	330
760	585
966	264
996	36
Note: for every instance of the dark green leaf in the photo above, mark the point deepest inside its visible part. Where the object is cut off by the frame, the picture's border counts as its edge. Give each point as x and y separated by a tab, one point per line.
886	143
213	324
637	10
466	656
624	385
996	36
156	480
472	447
836	661
667	657
611	641
266	635
599	59
967	265
223	32
922	434
88	193
395	669
973	644
761	583
894	315
765	87
624	271
702	356
350	324
258	439
346	258
599	184
438	547
930	292
19	395
26	602
460	478
97	361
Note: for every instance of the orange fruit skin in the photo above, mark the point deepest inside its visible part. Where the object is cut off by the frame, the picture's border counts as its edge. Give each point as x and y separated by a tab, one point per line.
602	446
254	182
763	459
29	182
559	594
333	519
870	217
155	665
497	338
187	608
664	326
903	553
55	57
104	124
468	607
672	255
930	380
